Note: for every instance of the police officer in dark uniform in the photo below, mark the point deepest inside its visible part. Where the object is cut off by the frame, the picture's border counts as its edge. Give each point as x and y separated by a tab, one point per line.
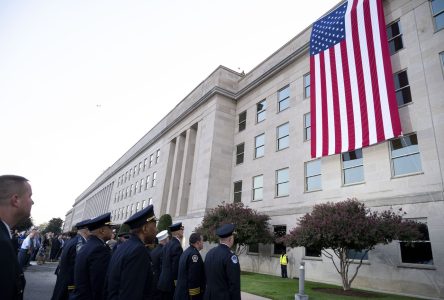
222	268
92	261
156	259
129	272
65	270
191	276
170	262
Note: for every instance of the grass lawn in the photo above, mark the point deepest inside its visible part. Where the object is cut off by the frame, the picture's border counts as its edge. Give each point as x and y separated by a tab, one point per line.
280	289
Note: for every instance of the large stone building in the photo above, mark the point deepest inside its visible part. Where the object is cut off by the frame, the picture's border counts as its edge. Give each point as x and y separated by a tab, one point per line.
246	138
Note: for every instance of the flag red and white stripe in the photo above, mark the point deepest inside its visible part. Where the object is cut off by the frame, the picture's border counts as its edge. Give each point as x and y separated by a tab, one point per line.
353	101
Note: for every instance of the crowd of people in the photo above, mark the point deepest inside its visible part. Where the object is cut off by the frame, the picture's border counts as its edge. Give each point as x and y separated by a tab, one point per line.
93	264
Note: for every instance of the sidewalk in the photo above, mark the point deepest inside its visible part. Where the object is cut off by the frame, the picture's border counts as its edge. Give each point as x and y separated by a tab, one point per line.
246	296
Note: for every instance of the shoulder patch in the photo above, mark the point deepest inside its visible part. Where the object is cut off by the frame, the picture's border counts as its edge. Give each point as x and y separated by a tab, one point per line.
195	258
234	259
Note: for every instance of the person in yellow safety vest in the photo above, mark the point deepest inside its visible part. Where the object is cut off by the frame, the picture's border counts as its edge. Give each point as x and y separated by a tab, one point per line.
284	262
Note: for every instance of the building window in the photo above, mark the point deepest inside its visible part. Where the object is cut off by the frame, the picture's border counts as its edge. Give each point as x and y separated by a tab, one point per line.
131	190
157	155
136	187
137	206
140	168
261	110
142	182
418	252
147	182
126	175
259	146
279	231
282	136
307	127
352	167
307	85
240	153
144	204
237	192
438	13
405	155
253	248
441	55
258	185
145	163
394	36
313	175
126	192
151	160
282	182
284	98
242	120
402	88
357	255
312	252
150	201
153	184
120	195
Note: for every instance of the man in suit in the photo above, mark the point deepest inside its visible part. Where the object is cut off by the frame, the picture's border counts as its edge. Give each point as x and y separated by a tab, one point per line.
222	268
92	261
65	270
129	273
15	205
156	259
170	262
191	276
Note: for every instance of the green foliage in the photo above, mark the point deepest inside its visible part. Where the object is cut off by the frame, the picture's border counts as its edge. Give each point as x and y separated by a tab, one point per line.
164	222
251	226
54	226
24	224
349	225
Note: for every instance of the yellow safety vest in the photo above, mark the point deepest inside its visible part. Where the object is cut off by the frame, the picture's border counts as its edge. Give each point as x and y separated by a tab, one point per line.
284	259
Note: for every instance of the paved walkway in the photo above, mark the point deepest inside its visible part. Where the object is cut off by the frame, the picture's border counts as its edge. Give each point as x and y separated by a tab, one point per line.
40	282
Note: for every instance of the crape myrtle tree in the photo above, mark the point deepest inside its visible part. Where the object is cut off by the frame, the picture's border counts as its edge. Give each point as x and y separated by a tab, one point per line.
339	229
251	227
24	224
164	222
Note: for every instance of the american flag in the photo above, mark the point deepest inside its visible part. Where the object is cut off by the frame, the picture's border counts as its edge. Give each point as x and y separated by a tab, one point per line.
353	102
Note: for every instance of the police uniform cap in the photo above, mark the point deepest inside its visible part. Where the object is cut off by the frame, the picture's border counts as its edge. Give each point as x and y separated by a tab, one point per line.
82	224
142	217
175	227
162	235
100	221
123	230
225	230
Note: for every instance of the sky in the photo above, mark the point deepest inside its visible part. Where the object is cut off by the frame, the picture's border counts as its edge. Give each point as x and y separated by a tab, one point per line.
82	81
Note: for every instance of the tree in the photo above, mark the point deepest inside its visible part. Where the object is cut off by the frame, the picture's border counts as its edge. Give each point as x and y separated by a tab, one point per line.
24	224
164	222
251	226
338	229
54	226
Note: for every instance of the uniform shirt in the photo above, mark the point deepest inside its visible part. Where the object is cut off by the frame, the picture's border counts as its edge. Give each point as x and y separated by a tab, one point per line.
129	272
12	281
90	270
191	276
170	265
26	243
65	273
223	274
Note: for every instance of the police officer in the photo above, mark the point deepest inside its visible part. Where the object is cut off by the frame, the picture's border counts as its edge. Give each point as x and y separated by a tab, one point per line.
65	270
191	276
156	259
222	268
170	262
92	260
129	272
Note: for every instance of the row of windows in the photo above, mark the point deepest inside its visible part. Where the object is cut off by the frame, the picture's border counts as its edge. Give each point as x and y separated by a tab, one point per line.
123	213
416	252
138	168
404	156
133	189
